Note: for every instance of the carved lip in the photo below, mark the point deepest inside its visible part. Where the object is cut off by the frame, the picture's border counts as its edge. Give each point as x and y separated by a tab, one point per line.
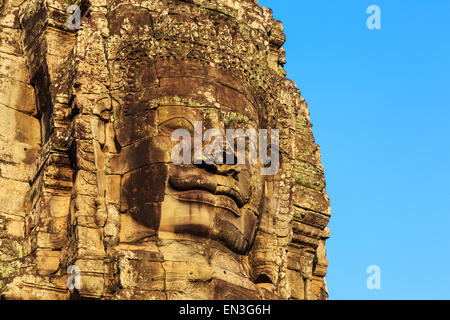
206	197
197	185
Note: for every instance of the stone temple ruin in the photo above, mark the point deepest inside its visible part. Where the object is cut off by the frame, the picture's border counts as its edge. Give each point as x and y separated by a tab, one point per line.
91	204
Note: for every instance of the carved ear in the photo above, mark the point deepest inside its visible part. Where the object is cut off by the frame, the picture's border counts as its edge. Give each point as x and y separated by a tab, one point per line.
41	83
264	282
263	260
263	256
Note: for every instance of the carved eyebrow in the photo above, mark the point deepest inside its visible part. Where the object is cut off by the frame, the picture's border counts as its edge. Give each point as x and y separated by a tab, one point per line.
177	123
181	120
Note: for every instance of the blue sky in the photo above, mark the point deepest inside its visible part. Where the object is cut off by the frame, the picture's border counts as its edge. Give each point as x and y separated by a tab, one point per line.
380	105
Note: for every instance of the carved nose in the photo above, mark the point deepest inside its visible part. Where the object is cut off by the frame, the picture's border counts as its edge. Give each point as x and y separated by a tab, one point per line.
221	169
190	179
225	164
217	165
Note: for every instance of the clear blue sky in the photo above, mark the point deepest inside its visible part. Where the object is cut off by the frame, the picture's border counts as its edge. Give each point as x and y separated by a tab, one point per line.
380	106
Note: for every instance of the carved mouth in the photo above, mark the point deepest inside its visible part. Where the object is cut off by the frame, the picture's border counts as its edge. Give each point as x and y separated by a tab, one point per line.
206	197
197	185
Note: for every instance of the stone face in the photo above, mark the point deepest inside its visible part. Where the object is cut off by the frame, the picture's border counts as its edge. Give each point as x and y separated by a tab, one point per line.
90	194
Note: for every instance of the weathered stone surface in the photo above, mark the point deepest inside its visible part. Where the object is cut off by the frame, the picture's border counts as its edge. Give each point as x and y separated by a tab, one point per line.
13	196
19	137
87	178
142	153
47	261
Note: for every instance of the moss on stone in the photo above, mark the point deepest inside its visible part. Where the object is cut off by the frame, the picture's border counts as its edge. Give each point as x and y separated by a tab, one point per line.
9	269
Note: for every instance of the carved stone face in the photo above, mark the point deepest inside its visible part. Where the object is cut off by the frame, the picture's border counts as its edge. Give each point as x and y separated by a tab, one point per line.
220	202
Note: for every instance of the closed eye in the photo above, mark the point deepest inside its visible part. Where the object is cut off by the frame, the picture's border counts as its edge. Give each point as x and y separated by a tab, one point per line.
169	126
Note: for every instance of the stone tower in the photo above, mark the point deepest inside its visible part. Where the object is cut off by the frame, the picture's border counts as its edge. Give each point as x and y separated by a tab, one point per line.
91	203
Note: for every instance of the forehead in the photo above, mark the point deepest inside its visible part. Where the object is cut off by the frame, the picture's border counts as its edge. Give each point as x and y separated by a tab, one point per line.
186	88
